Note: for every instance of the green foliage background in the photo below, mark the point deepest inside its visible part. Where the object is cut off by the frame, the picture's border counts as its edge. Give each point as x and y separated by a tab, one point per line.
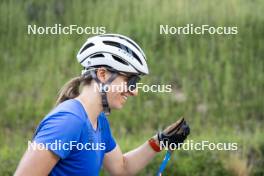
218	80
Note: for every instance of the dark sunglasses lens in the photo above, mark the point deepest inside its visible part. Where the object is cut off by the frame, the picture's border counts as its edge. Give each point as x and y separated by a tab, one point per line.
132	82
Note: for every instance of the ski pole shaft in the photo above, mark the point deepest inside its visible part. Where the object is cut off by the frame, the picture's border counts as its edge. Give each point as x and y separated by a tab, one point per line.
164	163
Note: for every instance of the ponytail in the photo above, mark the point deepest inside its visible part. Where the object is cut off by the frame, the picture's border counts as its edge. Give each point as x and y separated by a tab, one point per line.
71	89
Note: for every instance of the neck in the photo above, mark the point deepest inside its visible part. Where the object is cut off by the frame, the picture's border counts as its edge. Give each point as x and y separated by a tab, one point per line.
92	104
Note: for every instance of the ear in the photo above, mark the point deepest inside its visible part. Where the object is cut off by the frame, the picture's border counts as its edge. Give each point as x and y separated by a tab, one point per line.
102	74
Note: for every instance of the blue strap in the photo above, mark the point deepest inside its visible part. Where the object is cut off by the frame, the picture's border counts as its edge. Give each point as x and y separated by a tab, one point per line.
164	163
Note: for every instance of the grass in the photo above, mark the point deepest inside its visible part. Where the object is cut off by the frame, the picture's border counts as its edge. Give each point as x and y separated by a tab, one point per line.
221	78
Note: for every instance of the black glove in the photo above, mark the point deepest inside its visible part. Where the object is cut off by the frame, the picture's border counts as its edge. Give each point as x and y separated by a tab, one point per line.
176	133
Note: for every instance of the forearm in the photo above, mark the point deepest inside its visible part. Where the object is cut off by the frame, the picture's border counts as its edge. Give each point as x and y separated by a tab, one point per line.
132	162
138	158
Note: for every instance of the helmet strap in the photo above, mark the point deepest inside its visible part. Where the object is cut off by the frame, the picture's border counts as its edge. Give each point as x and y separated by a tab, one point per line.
103	89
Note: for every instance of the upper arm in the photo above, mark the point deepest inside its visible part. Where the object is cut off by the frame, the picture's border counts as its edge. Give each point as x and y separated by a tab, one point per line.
59	130
114	162
36	162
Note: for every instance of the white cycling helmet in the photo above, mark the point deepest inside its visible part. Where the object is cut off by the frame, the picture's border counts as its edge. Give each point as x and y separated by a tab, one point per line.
115	51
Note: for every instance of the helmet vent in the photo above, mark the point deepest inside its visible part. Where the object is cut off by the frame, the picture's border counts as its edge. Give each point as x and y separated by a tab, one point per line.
112	44
109	35
135	56
118	59
97	55
87	46
125	48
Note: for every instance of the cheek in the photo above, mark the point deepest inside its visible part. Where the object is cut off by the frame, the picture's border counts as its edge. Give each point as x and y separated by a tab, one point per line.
115	100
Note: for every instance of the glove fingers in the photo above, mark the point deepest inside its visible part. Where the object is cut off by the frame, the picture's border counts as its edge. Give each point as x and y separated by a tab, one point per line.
175	133
184	128
175	127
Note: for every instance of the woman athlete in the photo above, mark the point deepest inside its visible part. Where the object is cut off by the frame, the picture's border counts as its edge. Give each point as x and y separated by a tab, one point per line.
75	137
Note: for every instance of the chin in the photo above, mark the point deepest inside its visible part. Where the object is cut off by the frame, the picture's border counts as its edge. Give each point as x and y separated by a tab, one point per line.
117	106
